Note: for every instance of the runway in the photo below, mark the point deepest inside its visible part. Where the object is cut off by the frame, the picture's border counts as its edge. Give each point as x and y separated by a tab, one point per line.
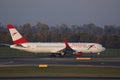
4	62
106	62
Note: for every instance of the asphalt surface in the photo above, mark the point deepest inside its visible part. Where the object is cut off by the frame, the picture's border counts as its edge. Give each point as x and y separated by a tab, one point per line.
7	62
58	62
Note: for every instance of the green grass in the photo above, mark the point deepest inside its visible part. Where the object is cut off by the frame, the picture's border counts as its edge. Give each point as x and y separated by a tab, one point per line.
60	71
8	52
111	53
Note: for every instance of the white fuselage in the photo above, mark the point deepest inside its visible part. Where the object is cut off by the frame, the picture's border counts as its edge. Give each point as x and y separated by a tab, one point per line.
75	48
56	47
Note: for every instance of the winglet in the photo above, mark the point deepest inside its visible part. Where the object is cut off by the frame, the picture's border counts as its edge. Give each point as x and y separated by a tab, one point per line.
66	43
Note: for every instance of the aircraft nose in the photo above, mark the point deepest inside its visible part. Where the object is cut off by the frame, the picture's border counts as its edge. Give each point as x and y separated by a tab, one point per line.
103	49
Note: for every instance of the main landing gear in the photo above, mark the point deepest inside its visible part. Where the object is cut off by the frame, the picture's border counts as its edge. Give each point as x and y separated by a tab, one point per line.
59	55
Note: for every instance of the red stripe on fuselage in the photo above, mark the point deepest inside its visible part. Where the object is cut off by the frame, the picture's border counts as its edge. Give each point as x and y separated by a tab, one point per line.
20	41
10	26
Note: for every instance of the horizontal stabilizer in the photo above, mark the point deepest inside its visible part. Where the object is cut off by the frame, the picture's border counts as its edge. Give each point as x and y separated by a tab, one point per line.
7	45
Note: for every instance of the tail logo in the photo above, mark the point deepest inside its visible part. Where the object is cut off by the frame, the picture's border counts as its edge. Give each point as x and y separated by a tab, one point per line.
14	33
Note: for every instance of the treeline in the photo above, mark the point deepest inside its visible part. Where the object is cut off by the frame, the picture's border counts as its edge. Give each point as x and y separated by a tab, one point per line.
108	35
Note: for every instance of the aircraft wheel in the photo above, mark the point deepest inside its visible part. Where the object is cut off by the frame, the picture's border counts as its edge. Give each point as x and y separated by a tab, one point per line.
61	54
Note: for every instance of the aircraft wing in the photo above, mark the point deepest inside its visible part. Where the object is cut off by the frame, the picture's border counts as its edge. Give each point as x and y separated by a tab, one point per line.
69	50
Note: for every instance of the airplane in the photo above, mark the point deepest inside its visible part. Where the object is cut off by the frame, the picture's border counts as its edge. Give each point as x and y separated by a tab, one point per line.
60	48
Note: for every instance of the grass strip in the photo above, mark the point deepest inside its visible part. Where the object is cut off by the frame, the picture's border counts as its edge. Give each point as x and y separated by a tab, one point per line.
60	71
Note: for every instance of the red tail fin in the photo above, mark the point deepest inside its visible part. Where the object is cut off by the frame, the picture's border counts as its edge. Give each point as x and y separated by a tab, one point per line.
16	36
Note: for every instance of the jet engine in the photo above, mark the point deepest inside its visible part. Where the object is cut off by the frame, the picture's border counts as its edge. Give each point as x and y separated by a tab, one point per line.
78	54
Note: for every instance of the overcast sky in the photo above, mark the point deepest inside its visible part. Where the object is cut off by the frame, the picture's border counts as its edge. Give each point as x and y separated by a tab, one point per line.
52	12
